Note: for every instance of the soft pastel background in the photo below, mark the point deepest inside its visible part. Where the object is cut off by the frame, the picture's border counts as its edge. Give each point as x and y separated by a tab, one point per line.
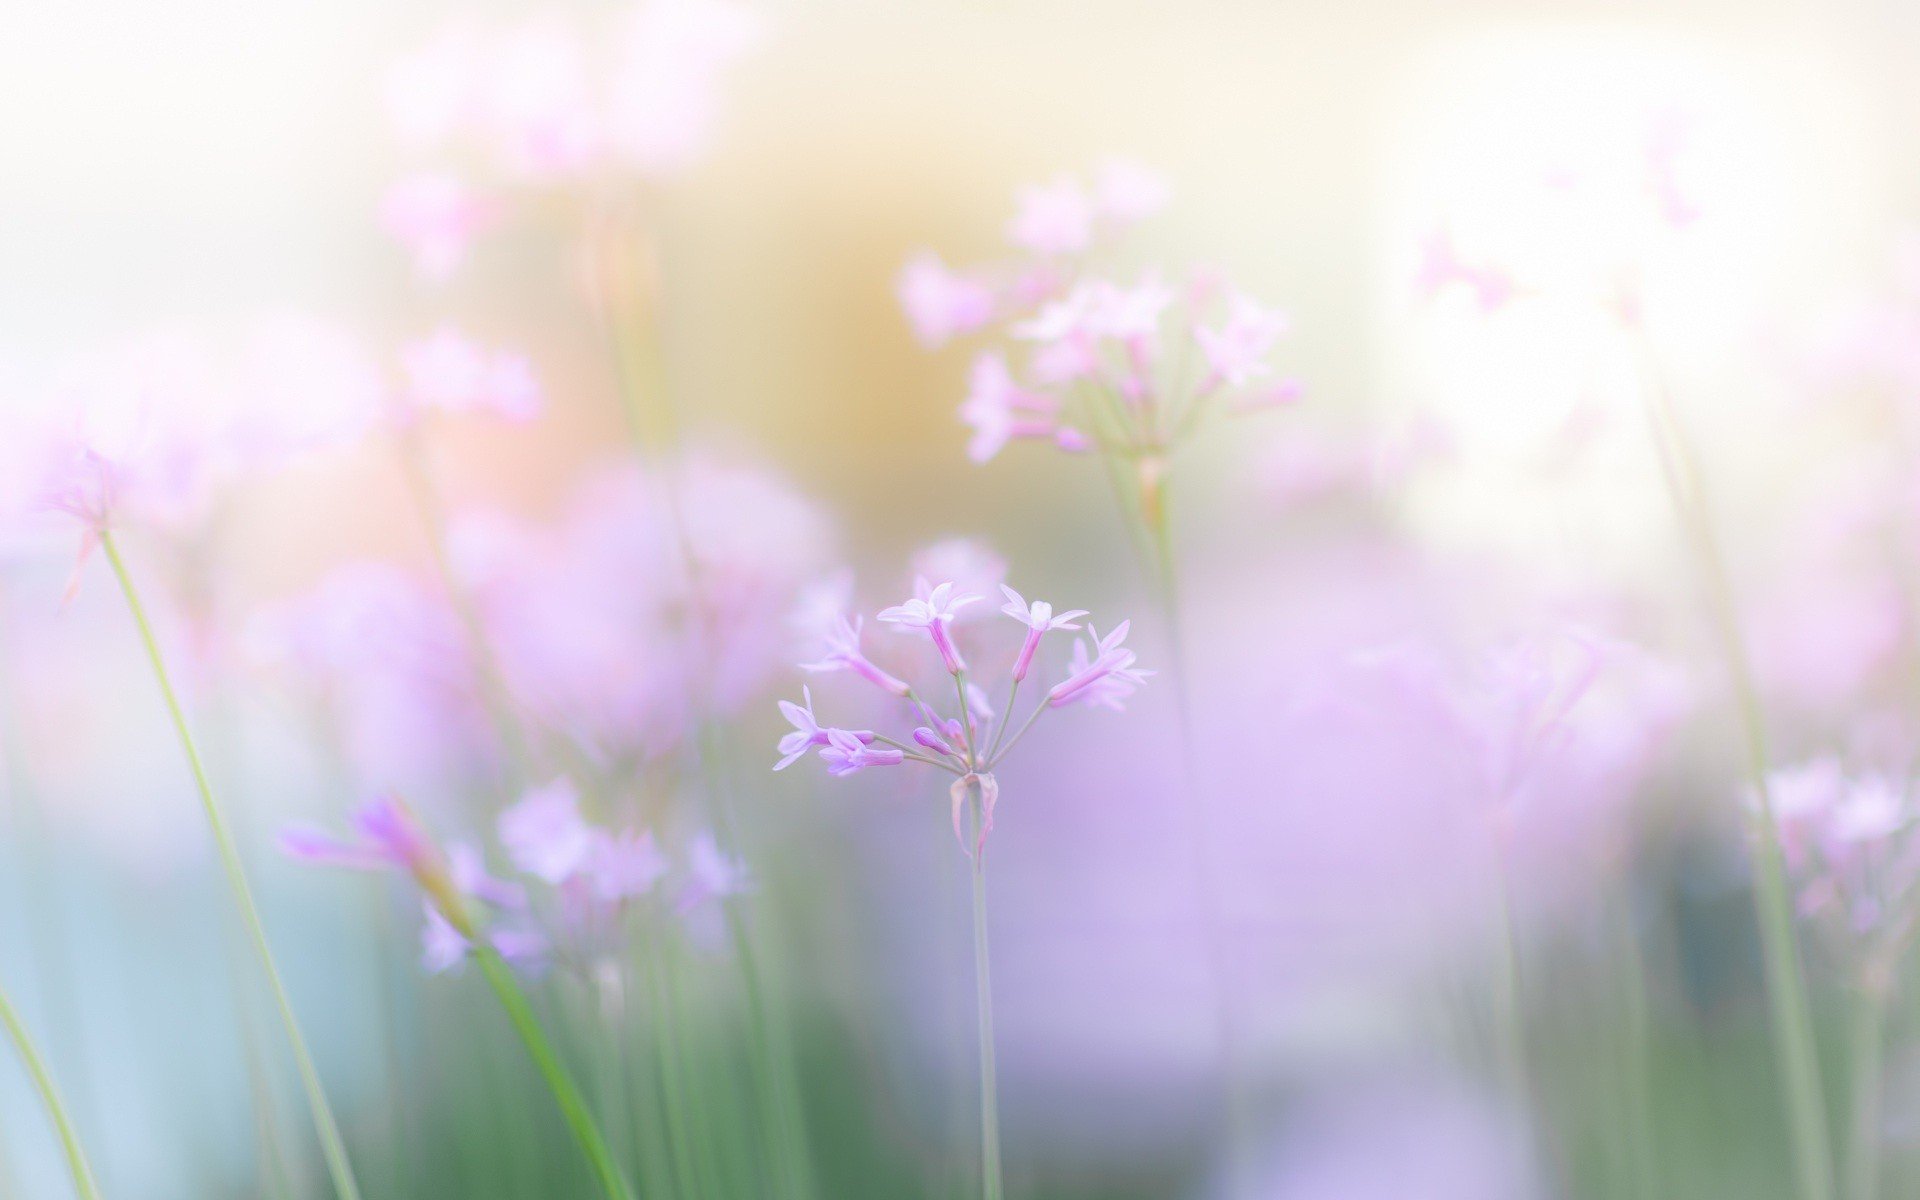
198	162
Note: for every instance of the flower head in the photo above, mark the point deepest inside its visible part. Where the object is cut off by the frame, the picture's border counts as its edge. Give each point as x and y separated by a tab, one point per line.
545	835
1103	676
844	654
933	613
1039	618
965	735
941	304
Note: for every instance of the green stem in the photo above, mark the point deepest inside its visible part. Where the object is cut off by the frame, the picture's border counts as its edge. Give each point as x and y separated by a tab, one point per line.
991	1185
1863	1151
573	1106
1639	1098
83	1181
1789	1009
331	1146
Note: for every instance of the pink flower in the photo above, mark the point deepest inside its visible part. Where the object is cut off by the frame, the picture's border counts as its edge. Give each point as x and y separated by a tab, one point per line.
1104	677
450	371
386	836
545	835
845	753
807	733
844	654
941	304
970	563
1053	219
1237	350
537	106
1441	267
1039	619
933	613
998	409
670	58
712	873
623	865
436	216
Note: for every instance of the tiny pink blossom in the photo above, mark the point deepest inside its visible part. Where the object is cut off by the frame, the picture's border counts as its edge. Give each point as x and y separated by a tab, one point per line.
940	303
436	216
807	733
623	865
449	371
844	754
970	563
998	409
1236	352
933	613
545	835
712	873
844	654
1039	619
1103	678
1054	218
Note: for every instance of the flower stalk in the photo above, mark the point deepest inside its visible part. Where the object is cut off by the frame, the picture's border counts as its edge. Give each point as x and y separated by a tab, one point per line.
1789	1009
84	1184
332	1147
992	1187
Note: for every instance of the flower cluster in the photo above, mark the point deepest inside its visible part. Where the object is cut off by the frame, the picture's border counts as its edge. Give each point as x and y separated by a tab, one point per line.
1848	838
1128	366
574	883
969	739
544	102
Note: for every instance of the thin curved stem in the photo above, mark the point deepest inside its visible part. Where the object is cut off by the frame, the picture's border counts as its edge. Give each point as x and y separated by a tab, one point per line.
573	1106
1792	1021
992	1187
84	1184
332	1148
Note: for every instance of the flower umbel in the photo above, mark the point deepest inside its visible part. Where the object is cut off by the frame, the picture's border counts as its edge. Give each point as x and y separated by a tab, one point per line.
973	736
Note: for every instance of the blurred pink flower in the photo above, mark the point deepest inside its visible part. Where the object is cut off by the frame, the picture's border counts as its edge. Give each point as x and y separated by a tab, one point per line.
450	372
1054	218
941	304
544	834
436	217
670	58
1237	350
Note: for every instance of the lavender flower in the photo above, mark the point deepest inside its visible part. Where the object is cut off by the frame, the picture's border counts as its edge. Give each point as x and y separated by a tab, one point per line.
971	738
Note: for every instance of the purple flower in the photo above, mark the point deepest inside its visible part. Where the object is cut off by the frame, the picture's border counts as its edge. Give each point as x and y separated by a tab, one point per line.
845	753
933	613
807	733
544	833
1039	619
1236	352
844	654
1052	219
712	873
1103	677
940	303
624	865
998	409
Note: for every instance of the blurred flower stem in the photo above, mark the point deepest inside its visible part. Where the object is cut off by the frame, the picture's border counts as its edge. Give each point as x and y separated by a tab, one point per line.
328	1129
991	1185
1156	524
1868	1037
1791	1017
573	1106
83	1180
627	289
433	517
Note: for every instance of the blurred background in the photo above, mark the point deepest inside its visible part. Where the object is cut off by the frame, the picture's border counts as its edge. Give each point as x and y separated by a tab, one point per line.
206	164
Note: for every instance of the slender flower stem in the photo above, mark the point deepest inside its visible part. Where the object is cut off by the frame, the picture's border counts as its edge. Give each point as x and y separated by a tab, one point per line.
966	719
915	755
1791	1017
1019	733
573	1106
1633	979
1863	1150
991	1185
84	1184
1006	719
331	1146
